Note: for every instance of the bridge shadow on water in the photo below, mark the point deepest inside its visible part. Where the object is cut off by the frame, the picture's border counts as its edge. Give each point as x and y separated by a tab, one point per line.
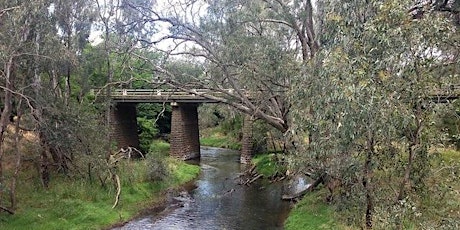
216	200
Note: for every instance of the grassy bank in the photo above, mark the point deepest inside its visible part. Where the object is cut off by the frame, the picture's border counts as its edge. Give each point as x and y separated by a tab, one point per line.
214	137
79	204
312	213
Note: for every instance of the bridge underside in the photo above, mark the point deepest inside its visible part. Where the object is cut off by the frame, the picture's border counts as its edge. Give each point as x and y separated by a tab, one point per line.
185	135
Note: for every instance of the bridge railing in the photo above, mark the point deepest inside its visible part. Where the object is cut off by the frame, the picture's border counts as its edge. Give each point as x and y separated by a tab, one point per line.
148	92
163	95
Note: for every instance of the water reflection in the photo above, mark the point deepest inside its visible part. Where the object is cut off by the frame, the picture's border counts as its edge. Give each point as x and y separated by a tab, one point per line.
218	202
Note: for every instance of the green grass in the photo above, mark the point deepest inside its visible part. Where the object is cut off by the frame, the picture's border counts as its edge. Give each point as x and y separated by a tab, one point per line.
213	137
450	155
268	165
220	143
312	213
159	146
79	204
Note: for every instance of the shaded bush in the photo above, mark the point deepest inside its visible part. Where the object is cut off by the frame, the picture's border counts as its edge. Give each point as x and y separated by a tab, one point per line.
450	123
157	167
148	131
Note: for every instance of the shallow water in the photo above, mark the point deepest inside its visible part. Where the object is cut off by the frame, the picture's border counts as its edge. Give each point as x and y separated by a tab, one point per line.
217	201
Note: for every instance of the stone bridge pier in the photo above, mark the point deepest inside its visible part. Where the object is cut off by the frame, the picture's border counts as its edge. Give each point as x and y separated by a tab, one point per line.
185	134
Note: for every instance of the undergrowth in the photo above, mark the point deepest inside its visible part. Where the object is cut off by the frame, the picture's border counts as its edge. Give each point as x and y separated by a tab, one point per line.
269	165
84	204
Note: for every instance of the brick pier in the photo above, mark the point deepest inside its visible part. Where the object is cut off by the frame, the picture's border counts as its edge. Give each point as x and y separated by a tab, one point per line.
247	145
185	135
124	125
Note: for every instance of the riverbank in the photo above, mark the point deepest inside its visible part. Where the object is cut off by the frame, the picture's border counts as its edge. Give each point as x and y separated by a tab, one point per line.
442	203
312	212
214	137
79	204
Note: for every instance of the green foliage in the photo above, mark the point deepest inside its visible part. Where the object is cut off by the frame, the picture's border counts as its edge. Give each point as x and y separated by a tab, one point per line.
161	113
450	123
129	69
223	128
148	132
153	120
159	146
75	138
220	127
366	111
229	122
181	171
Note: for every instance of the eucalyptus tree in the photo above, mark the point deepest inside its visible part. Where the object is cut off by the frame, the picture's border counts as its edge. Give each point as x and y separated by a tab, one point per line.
248	50
367	93
22	59
74	20
34	56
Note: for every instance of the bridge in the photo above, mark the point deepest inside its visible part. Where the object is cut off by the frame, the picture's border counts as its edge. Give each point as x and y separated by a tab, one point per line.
164	95
446	94
184	138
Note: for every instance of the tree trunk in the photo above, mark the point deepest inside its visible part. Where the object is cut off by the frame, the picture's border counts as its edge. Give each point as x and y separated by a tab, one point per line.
407	172
367	183
18	158
414	144
44	162
6	112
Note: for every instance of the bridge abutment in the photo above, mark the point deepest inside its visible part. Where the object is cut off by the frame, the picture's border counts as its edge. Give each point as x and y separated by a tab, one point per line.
185	136
247	145
124	125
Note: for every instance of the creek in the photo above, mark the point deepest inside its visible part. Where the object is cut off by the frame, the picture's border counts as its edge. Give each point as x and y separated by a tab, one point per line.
217	201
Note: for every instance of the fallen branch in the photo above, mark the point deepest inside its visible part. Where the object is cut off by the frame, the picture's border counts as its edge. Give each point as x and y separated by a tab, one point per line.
117	197
251	180
254	179
229	192
7	210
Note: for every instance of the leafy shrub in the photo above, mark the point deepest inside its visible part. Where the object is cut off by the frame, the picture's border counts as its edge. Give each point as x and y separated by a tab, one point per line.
157	167
450	123
148	131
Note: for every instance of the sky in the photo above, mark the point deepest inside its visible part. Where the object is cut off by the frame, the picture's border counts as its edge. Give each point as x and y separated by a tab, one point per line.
160	6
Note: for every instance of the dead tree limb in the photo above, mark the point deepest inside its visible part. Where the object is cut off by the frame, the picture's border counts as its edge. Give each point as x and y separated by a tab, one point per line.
7	210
